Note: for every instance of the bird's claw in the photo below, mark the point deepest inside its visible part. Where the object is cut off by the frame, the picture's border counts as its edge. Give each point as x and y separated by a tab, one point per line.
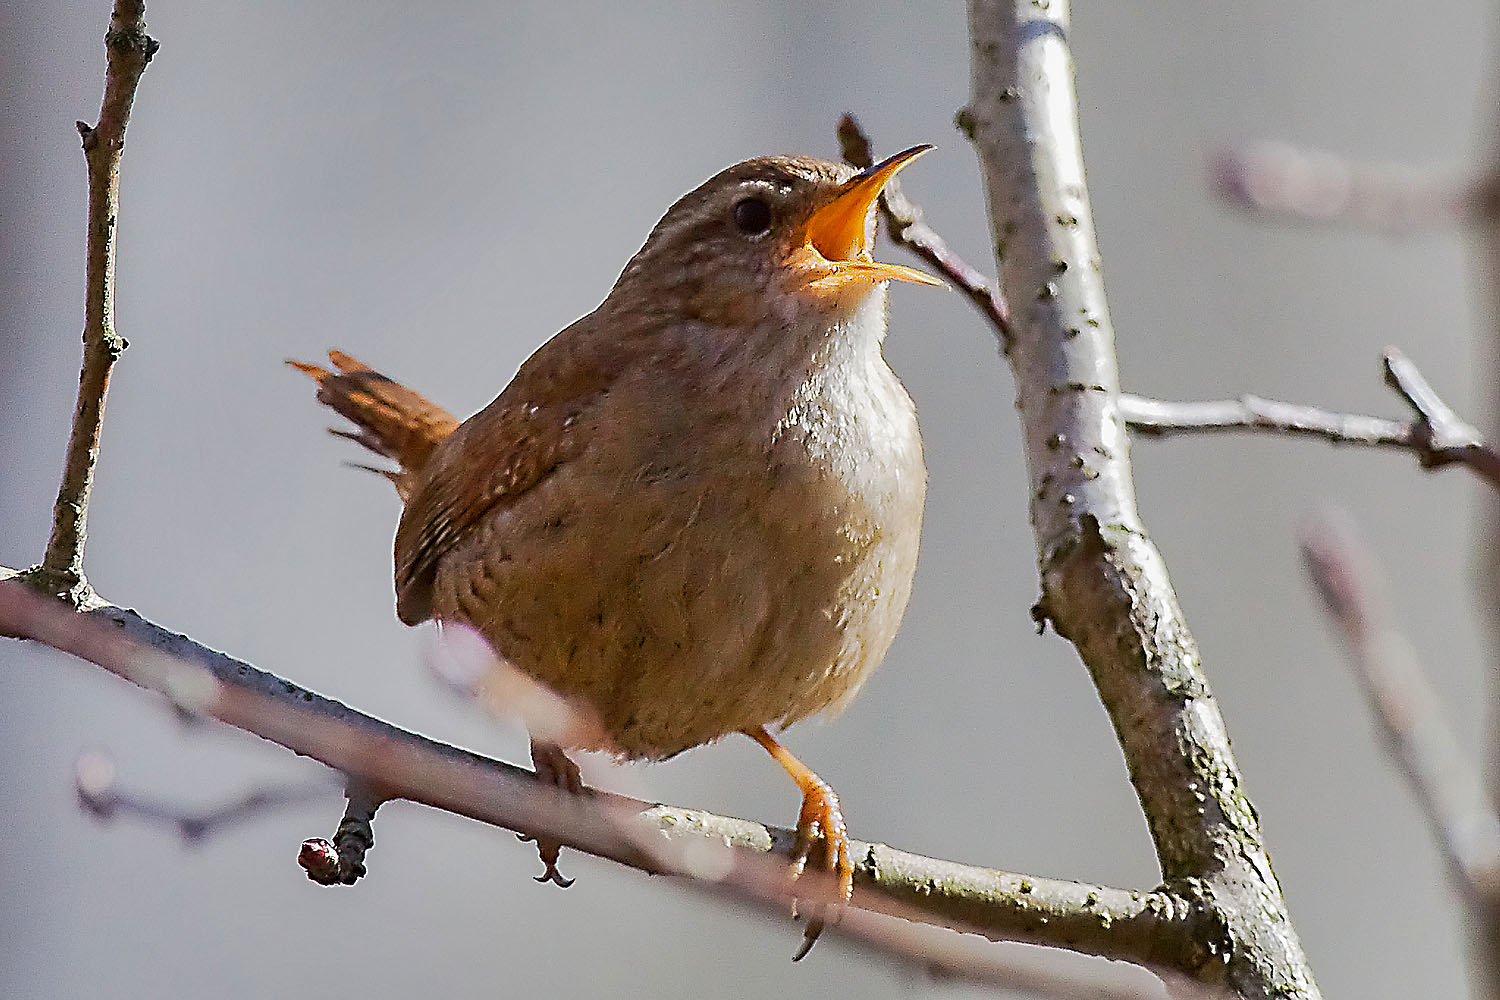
553	767
548	851
822	819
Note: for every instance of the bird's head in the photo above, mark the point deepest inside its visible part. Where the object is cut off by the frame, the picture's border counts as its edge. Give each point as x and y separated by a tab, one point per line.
767	240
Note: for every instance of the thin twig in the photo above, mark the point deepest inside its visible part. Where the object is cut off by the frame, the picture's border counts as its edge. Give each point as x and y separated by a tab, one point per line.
94	780
905	224
128	49
1278	179
1163	418
1155	928
1447	786
1443	438
1437	437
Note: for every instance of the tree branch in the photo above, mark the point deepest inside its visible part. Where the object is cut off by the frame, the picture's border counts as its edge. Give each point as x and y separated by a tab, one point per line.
128	49
1305	185
1169	418
1104	584
907	227
1437	437
1442	438
1447	786
1148	928
94	781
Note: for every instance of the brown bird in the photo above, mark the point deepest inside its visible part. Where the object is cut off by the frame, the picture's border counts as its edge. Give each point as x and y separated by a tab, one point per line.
694	511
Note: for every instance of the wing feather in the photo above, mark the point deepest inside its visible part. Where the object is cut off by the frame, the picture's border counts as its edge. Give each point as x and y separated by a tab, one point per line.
492	459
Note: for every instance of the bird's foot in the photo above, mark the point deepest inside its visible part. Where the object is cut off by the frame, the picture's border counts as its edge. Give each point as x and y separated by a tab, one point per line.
548	851
556	768
822	819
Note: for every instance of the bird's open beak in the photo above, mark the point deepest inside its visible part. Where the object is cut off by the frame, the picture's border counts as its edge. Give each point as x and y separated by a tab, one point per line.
841	231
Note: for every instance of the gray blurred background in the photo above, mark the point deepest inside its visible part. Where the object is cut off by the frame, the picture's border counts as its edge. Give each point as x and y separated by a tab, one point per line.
437	189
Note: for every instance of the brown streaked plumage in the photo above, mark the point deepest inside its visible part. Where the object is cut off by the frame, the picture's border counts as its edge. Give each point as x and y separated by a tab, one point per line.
695	510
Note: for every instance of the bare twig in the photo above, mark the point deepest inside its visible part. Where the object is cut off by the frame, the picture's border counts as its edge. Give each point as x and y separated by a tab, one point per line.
1442	438
1447	786
1437	437
1105	586
94	779
906	226
1275	178
1164	418
1156	928
128	50
341	861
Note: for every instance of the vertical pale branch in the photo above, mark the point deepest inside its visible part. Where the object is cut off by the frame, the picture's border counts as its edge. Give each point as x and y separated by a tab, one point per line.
1485	940
128	49
1104	584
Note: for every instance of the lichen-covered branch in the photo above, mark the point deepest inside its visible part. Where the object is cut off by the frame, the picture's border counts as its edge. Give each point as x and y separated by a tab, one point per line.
1104	584
1149	928
128	50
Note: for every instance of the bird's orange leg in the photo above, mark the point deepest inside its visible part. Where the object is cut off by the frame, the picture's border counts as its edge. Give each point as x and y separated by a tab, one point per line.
820	817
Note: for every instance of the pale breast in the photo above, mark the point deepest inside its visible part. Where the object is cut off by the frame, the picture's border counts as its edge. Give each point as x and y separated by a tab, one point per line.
715	574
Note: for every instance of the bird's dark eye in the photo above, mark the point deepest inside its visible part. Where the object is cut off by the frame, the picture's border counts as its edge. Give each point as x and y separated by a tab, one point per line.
752	216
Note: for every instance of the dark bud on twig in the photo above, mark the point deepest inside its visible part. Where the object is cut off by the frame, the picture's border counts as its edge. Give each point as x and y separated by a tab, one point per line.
320	860
341	861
